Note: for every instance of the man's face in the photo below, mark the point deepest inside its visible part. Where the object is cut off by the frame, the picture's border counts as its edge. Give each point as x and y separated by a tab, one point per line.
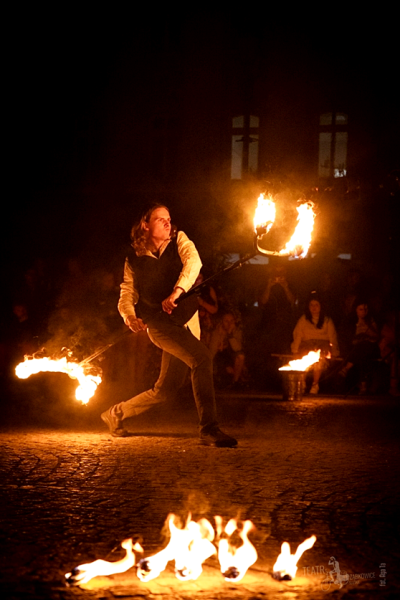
159	225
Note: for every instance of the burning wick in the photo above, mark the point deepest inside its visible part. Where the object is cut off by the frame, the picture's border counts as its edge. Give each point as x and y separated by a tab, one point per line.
264	218
301	239
285	567
235	562
188	564
87	383
86	572
302	364
189	546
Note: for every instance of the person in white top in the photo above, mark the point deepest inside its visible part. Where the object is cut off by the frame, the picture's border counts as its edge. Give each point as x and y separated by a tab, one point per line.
160	268
315	331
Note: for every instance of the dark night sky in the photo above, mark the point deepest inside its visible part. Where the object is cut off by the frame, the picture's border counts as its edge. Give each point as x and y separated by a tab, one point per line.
64	68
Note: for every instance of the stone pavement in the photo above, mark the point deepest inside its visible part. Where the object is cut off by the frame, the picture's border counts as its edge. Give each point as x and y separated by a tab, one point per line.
325	466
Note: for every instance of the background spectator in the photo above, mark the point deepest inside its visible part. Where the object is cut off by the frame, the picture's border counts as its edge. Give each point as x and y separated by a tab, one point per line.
227	351
364	342
315	331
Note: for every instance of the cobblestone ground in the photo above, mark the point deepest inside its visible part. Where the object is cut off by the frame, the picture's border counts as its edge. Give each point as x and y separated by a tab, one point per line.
323	466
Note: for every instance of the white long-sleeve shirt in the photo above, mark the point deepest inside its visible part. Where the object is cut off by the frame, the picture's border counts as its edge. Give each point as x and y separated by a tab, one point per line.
305	331
191	262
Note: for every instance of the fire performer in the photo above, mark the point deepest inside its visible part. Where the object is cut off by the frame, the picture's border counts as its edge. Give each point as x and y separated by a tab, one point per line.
162	265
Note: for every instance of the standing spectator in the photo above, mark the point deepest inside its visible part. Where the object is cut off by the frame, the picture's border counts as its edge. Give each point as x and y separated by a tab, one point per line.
277	301
354	288
329	297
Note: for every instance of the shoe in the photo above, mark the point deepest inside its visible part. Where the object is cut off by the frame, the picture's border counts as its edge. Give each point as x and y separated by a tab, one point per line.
216	437
114	424
314	388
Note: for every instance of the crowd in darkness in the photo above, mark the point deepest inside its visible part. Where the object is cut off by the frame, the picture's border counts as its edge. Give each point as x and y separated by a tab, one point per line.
355	329
249	341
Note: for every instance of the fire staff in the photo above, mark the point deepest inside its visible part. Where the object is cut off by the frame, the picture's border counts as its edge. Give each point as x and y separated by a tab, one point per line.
161	266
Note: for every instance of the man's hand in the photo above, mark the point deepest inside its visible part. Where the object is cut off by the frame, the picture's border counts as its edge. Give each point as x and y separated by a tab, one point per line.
135	324
168	304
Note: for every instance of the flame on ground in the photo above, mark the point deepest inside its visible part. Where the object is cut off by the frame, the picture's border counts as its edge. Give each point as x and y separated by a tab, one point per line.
302	364
235	561
286	563
188	546
86	572
87	383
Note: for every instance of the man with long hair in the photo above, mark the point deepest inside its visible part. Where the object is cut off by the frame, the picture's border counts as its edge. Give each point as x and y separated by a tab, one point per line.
163	265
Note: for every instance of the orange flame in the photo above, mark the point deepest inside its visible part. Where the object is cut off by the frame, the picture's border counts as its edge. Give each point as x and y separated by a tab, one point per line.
189	546
264	216
188	563
301	238
87	383
86	572
235	562
286	563
302	364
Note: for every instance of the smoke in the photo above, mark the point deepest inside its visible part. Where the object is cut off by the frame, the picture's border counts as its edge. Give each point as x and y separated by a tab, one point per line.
85	316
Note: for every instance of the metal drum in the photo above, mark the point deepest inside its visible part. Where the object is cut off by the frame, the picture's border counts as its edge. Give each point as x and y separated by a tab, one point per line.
293	384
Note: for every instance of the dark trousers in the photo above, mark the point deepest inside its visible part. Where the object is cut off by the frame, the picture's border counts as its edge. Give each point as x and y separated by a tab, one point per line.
181	349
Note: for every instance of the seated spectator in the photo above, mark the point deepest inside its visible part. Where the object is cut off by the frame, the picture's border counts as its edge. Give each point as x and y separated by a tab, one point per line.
227	351
208	307
315	331
364	342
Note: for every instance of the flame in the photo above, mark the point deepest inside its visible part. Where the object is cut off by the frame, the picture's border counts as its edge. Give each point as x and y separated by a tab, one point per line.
189	546
86	572
234	562
301	238
87	383
286	563
188	563
264	216
302	364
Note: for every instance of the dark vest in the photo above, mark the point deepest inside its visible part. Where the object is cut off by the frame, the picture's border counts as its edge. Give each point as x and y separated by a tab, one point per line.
155	279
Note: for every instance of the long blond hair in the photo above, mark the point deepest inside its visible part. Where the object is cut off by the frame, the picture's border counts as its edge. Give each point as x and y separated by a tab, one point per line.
138	232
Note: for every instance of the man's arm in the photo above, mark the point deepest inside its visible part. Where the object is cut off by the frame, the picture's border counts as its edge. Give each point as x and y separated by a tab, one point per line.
191	262
127	299
191	268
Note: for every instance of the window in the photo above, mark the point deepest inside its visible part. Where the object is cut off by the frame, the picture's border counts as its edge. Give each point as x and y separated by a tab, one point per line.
244	151
333	139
